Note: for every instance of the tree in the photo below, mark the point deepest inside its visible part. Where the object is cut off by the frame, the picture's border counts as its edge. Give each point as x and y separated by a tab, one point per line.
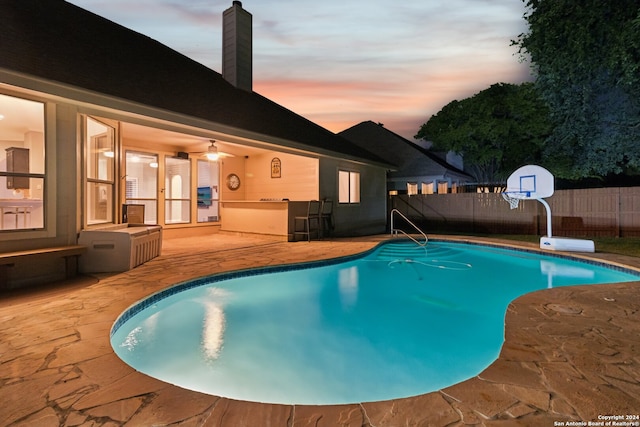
586	55
496	131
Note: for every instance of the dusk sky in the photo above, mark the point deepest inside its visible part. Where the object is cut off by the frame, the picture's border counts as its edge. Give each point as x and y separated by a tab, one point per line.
339	62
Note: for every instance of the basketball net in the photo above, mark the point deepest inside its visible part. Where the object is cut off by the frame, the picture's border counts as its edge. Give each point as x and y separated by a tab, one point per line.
513	201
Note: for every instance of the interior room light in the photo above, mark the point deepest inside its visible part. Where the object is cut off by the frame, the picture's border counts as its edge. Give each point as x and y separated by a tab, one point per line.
153	164
212	152
1	116
109	154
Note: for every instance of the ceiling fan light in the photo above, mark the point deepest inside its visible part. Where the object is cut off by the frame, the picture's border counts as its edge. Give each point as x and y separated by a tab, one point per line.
212	152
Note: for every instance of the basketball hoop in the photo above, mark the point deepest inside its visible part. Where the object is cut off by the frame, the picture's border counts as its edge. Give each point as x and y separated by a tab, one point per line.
533	182
513	202
513	197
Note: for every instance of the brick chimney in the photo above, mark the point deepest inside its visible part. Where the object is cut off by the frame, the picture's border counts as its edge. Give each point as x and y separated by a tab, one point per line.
237	47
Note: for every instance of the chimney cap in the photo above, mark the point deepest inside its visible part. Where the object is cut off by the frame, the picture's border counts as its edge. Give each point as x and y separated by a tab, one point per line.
237	3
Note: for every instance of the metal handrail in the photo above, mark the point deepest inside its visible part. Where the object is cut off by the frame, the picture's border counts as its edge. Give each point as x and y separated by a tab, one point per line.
395	231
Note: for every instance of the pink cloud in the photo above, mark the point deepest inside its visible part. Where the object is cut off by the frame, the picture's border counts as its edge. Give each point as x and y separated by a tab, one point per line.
401	104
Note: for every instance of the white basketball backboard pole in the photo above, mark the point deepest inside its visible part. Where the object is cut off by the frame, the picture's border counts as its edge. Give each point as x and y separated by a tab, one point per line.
548	209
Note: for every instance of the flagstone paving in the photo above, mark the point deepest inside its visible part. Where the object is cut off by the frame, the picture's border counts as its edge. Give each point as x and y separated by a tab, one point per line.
570	354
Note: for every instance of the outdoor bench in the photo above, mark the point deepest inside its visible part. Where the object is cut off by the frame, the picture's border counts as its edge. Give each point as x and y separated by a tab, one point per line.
69	253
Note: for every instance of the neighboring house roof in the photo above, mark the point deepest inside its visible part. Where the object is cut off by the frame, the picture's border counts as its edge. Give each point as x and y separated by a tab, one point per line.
411	159
57	41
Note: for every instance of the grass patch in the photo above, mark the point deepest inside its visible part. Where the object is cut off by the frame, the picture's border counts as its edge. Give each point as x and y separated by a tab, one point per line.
616	245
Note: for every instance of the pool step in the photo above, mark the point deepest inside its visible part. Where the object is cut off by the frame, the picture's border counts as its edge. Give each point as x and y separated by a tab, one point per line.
392	251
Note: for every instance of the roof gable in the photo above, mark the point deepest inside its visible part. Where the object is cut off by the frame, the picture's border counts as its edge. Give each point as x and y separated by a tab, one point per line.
410	158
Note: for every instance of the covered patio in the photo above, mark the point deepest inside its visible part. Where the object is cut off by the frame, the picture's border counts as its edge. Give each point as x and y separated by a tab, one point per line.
569	353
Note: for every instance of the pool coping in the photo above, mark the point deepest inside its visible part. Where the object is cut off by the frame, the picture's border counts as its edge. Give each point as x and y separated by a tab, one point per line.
569	354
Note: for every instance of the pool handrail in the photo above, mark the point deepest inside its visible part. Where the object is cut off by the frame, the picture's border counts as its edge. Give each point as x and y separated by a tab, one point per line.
394	231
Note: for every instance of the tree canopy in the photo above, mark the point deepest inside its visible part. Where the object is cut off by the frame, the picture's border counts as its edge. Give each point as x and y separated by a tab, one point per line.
496	131
586	55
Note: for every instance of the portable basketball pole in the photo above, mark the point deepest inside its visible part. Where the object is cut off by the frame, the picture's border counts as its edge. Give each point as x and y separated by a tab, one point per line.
524	182
548	209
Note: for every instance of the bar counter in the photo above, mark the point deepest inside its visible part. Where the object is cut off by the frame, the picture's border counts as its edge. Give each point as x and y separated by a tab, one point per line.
274	217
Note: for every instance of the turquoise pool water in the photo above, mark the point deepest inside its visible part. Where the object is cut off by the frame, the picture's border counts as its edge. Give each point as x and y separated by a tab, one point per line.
397	322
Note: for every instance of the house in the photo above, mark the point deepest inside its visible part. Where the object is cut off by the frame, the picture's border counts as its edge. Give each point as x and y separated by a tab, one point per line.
100	125
418	170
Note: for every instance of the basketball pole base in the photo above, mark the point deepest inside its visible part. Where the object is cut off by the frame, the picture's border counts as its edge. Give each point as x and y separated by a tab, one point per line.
567	244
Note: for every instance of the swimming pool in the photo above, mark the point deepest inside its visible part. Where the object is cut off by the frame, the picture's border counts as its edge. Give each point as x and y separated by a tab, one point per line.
389	324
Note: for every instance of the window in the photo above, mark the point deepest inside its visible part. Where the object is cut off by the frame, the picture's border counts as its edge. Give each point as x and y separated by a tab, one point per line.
100	171
412	188
22	163
427	188
208	181
141	185
177	190
348	187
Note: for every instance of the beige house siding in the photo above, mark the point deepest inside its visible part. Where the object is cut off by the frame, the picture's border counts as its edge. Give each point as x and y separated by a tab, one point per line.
298	178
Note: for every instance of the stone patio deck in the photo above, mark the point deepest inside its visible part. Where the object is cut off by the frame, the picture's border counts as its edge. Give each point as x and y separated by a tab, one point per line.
570	354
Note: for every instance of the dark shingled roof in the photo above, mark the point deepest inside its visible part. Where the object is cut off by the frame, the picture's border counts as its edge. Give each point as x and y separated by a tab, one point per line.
410	158
58	41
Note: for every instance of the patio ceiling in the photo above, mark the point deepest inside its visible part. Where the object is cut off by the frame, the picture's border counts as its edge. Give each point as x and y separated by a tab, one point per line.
182	141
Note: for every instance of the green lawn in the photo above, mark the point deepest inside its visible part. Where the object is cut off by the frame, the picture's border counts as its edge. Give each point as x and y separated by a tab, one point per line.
615	245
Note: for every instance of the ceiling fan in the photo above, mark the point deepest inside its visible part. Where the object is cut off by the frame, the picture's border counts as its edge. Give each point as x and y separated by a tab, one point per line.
212	153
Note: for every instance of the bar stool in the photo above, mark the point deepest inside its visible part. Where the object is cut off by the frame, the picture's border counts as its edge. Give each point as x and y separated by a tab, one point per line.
326	217
310	222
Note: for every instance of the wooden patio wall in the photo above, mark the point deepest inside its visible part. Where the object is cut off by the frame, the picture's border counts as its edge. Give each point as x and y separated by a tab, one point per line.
575	213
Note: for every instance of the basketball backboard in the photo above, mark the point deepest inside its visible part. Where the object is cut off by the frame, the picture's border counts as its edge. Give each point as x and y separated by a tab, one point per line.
530	182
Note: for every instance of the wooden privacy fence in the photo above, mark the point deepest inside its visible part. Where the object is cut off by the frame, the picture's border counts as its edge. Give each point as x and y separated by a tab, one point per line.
575	213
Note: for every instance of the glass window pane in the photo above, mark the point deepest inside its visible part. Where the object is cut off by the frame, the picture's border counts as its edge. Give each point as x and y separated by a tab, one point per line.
208	177
177	211
141	183
343	187
22	127
22	158
142	175
178	176
100	151
354	187
150	209
177	190
22	212
99	203
100	166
